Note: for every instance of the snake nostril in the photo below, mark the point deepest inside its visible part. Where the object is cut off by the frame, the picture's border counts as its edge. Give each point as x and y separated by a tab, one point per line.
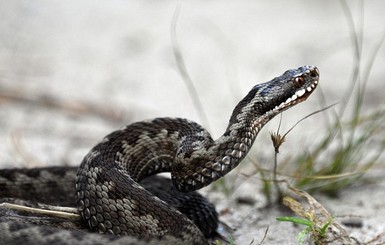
314	73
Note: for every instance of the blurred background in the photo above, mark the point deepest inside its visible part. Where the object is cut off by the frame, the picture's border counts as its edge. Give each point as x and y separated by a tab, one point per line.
118	57
73	71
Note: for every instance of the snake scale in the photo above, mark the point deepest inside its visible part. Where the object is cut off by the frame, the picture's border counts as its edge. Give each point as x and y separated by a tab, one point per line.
109	188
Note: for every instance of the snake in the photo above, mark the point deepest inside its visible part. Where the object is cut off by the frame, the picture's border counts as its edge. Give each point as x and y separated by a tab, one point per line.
109	188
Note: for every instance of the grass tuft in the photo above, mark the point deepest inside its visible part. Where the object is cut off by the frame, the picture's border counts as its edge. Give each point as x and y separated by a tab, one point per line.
320	227
352	144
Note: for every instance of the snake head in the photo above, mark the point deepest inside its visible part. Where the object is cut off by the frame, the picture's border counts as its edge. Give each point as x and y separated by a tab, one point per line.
266	100
292	87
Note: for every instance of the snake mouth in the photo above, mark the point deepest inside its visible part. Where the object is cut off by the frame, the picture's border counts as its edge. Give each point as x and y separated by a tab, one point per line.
299	96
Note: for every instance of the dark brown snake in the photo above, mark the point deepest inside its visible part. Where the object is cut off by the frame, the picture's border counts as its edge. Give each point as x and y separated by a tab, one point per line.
108	194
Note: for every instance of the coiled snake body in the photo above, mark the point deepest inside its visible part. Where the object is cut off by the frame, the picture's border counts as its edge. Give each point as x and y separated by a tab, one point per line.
108	195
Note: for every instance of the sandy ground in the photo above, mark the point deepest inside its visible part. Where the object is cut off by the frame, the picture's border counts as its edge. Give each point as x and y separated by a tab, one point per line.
73	71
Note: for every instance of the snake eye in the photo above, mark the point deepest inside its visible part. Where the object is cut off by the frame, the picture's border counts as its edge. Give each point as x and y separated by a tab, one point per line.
299	81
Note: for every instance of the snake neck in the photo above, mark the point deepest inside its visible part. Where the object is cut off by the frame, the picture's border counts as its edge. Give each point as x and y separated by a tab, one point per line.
210	160
200	162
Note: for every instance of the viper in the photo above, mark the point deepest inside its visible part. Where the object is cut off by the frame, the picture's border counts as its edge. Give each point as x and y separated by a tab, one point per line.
111	188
